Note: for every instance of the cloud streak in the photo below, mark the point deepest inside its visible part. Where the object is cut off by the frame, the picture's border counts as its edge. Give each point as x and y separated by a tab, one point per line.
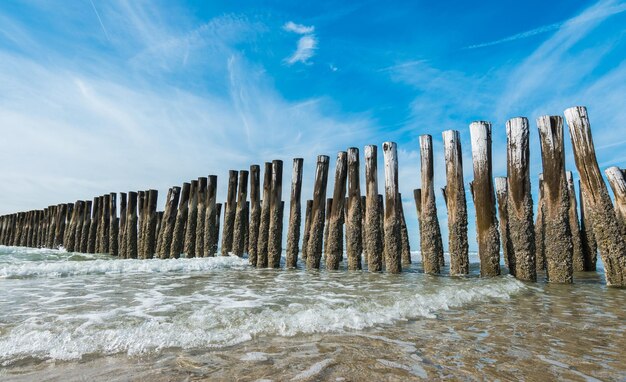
307	44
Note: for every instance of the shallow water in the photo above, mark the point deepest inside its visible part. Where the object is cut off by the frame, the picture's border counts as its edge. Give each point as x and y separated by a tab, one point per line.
92	317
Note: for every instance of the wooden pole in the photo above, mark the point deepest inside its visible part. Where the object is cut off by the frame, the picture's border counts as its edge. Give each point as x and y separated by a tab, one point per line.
373	235
328	209
189	248
307	229
131	226
169	222
229	214
501	185
520	202
610	240
141	222
264	228
240	211
334	251
201	215
404	234
211	221
60	225
393	235
381	220
314	245
70	232
246	229
216	232
295	215
84	236
587	237
181	221
618	185
255	214
93	227
113	225
432	249
149	245
484	200
363	212
354	229
161	225
578	260
456	204
275	239
557	233
122	226
540	247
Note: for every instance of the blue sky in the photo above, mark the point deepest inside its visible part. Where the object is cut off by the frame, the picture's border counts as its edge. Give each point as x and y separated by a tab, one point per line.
101	96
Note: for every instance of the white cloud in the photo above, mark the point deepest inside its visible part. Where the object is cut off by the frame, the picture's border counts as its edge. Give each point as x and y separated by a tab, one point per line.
290	26
305	50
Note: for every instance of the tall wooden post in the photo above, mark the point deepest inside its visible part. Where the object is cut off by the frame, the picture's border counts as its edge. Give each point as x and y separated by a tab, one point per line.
178	239
587	237
316	232
456	204
484	200
264	228
229	214
578	260
70	232
373	235
211	220
557	233
501	185
201	216
189	248
610	240
393	235
307	229
295	215
540	247
275	239
432	249
520	202
240	210
131	226
168	223
354	238
333	248
255	213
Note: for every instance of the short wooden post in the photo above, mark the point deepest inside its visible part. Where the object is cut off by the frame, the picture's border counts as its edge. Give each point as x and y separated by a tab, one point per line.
70	232
314	245
275	239
84	236
393	235
456	204
578	260
113	225
335	215
122	226
607	230
373	235
178	237
307	229
520	202
354	229
211	219
264	228
381	220
328	209
168	223
363	212
149	245
587	237
618	185
540	247
557	233
189	248
404	235
432	249
60	225
201	215
501	185
295	215
161	224
131	226
216	232
255	213
484	200
229	214
239	228
141	222
246	229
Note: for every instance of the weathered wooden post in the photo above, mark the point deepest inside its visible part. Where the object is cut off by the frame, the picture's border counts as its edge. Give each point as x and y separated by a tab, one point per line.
307	229
189	247
275	239
432	249
314	245
168	223
393	240
455	204
328	209
404	232
609	237
60	225
84	236
540	247
161	222
122	226
618	185
557	233
246	237
264	228
520	202
295	215
113	225
240	210
229	214
501	185
363	213
141	222
178	237
149	245
381	221
255	214
354	229
216	232
373	235
201	215
578	260
78	225
158	230
335	232
211	221
484	200
131	226
587	237
70	232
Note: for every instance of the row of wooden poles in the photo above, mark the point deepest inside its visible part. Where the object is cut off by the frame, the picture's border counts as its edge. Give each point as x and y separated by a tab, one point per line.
375	230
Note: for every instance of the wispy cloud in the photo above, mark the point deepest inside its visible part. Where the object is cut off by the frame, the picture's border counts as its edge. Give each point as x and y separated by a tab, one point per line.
307	44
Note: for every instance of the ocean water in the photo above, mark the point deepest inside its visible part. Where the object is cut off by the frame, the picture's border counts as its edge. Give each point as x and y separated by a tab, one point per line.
68	316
